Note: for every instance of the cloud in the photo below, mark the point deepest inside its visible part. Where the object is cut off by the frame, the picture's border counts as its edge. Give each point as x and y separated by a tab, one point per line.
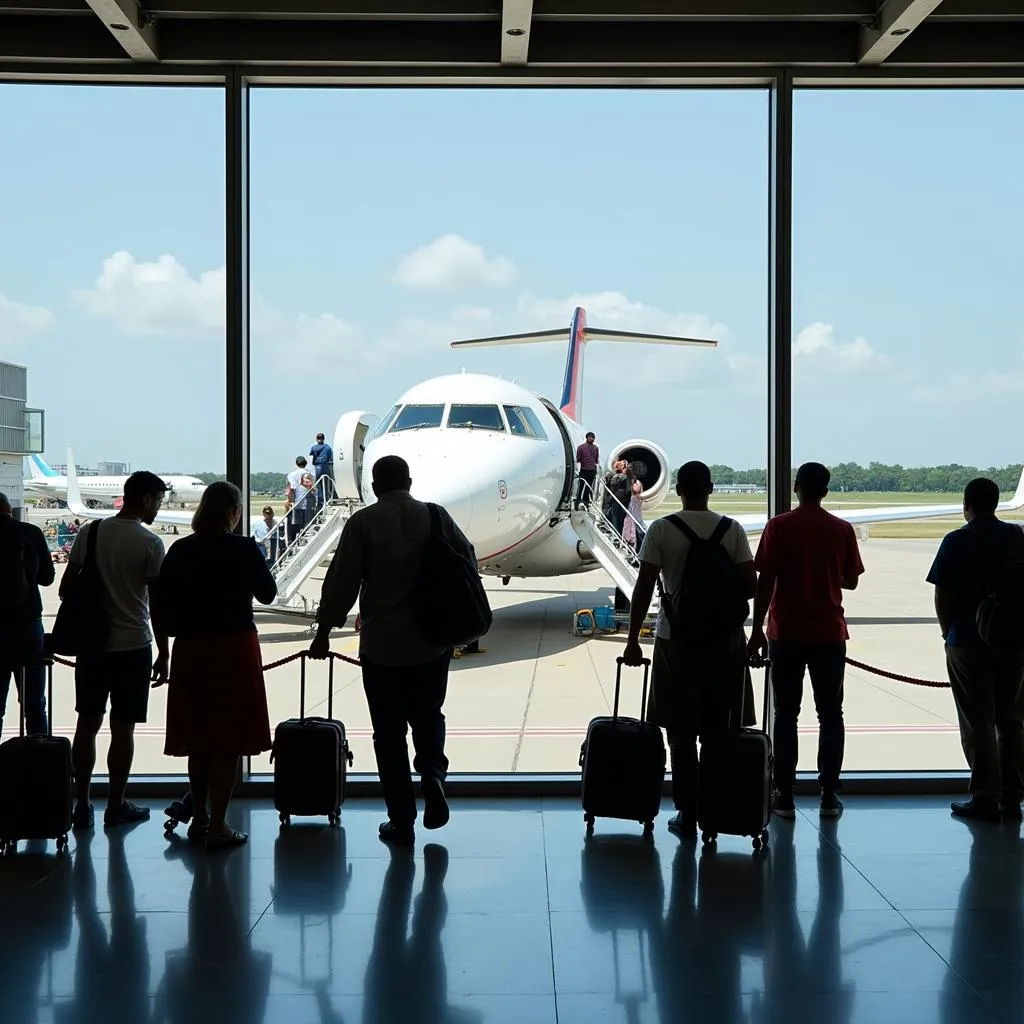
452	262
651	366
19	323
971	388
158	299
816	347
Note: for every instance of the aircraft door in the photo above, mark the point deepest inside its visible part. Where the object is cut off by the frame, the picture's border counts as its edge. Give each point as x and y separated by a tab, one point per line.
349	444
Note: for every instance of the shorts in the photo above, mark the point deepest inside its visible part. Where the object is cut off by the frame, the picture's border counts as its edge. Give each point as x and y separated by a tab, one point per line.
124	676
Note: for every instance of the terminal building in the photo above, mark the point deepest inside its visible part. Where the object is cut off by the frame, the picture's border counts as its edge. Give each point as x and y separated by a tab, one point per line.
227	226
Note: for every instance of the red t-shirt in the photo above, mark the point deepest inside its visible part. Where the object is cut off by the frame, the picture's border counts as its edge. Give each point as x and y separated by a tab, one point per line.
809	552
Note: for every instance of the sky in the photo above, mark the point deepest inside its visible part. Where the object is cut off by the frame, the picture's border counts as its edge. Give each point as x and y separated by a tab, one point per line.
385	224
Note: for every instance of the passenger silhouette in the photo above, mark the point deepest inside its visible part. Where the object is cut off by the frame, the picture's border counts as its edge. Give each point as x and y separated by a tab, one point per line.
407	977
111	966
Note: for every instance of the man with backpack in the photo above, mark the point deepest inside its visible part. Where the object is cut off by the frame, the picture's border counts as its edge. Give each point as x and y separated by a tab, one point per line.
978	575
699	677
805	559
25	566
384	560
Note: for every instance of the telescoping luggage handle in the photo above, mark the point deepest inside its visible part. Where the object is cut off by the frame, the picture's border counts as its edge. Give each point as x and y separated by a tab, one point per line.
619	662
303	658
48	714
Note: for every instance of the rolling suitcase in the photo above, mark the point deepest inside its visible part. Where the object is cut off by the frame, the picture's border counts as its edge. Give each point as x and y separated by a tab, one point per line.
735	775
623	762
35	801
311	757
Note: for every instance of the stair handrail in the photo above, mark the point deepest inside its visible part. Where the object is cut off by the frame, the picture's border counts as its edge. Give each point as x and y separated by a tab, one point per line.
326	501
595	510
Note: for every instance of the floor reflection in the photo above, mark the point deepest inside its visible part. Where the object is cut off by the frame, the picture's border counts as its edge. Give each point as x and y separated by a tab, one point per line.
894	913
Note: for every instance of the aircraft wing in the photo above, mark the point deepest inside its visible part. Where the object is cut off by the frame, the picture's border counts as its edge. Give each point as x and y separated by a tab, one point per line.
891	513
78	508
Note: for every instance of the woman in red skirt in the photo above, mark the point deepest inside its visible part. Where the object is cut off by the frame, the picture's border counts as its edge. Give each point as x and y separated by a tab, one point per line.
217	701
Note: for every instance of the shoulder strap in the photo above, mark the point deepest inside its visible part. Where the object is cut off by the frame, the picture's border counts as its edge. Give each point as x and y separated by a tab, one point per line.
90	544
721	529
684	528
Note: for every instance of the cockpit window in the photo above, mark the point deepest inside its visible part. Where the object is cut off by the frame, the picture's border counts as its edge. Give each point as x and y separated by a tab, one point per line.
383	425
413	417
476	417
517	422
535	425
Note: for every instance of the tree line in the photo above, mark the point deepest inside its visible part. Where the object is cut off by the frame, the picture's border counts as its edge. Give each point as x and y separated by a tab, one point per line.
880	476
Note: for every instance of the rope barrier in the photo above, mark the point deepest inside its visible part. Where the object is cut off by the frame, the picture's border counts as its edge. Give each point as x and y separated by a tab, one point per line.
57	660
896	675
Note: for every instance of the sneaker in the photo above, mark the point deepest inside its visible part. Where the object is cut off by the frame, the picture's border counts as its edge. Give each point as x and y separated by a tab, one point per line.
83	818
683	826
975	810
397	835
127	814
783	806
831	806
435	806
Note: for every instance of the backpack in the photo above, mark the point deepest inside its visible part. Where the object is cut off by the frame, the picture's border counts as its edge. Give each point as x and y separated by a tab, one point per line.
454	610
712	600
18	574
1000	615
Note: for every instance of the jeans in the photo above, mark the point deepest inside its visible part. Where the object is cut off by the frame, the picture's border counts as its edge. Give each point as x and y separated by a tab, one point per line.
988	691
25	647
585	487
826	665
401	696
326	492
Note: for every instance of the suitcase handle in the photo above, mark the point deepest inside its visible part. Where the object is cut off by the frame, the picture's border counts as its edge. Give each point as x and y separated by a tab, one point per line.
303	658
48	714
619	662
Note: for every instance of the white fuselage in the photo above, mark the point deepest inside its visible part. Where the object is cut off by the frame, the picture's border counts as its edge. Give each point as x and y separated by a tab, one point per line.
104	490
503	488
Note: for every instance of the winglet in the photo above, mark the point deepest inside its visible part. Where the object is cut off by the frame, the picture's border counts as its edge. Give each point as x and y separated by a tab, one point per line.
74	495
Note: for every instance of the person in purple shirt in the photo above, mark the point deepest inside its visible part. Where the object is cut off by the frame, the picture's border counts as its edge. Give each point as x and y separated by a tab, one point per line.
588	456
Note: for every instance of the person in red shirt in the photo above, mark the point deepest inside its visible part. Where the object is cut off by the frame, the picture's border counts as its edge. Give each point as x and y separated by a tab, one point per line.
805	559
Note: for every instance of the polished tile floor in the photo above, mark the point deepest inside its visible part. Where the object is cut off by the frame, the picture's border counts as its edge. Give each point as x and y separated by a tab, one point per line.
894	913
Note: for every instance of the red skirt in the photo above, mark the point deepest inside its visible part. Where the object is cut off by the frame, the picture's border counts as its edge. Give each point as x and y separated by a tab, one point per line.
216	698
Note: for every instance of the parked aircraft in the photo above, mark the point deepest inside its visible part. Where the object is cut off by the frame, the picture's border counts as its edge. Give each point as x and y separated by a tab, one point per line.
101	491
501	459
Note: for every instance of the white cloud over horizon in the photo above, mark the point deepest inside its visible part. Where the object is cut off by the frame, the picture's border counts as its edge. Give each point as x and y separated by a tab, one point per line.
817	348
451	261
20	322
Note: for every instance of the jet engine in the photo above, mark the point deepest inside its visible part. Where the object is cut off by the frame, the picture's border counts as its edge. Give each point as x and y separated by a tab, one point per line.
650	465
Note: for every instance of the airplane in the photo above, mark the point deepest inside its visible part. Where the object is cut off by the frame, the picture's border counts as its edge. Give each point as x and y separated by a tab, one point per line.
502	460
98	491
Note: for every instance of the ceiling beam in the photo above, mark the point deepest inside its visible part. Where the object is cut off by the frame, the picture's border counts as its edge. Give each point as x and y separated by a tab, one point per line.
516	19
127	23
896	20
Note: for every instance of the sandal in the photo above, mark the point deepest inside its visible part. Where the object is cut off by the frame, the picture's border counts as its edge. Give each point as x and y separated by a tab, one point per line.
198	830
228	838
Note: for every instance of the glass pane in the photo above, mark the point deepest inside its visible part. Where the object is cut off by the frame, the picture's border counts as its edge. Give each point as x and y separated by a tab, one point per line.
382	427
476	417
415	417
112	285
401	258
906	362
516	424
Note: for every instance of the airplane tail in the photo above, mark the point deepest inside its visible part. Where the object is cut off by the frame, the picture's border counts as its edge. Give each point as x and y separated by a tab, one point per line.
1017	501
38	468
74	494
579	334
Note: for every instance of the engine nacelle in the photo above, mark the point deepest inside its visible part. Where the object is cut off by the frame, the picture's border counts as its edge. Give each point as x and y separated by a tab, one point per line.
650	465
349	441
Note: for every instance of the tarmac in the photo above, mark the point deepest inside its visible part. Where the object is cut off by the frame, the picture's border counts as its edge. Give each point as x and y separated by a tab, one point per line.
522	705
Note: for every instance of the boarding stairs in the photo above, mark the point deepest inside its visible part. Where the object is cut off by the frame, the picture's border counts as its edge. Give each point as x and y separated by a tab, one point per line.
298	553
613	554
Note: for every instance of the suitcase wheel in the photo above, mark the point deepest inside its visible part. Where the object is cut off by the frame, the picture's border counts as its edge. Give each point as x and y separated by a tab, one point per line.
285	819
760	842
589	819
648	828
709	838
334	818
62	843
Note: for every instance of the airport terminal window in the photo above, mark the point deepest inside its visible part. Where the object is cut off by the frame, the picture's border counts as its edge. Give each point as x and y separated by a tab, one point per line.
413	417
476	417
385	423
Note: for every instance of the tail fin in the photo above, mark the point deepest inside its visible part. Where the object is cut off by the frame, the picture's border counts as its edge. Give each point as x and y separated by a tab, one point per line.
1017	501
74	494
38	468
579	334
